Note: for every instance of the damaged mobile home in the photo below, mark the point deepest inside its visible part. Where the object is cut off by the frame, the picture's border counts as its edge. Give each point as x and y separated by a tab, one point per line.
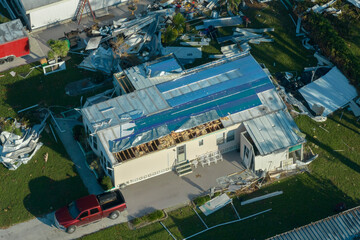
167	118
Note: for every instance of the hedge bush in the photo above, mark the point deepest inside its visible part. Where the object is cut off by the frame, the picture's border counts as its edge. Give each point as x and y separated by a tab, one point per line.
106	183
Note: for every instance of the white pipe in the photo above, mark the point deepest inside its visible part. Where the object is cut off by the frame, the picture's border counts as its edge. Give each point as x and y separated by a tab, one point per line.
168	231
200	218
222	224
53	132
33	106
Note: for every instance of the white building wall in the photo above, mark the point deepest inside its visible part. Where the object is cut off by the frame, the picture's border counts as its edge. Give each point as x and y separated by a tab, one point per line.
271	161
265	163
159	162
63	10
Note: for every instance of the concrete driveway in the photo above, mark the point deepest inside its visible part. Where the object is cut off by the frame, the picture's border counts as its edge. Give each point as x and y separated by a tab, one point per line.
169	190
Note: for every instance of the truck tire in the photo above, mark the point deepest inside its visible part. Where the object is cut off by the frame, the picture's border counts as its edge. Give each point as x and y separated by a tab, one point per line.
10	59
114	215
2	61
71	229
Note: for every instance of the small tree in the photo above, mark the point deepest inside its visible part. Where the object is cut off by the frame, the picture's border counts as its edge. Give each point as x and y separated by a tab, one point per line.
234	5
170	35
179	23
59	48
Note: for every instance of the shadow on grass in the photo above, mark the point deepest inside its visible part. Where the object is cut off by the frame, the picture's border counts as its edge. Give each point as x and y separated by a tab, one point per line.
19	93
47	195
337	155
306	198
352	123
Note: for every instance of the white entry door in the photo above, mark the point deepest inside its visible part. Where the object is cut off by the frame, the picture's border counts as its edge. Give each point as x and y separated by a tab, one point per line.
181	153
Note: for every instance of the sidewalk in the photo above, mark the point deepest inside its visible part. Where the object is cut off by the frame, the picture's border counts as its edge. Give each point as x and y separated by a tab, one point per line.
76	155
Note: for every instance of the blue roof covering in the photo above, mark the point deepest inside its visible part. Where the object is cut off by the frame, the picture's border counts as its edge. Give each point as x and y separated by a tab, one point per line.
228	96
248	67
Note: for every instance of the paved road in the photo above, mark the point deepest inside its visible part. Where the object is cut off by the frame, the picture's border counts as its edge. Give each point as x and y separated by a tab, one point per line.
44	229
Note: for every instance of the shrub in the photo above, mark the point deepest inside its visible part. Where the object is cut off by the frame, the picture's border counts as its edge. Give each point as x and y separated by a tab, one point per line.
106	183
201	200
158	214
78	132
137	221
170	35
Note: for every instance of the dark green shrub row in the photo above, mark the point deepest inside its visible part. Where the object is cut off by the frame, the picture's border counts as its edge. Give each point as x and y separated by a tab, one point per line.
332	45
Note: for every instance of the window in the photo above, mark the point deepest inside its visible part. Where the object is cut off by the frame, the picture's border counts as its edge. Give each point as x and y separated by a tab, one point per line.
246	152
94	138
84	214
201	142
220	138
230	136
94	210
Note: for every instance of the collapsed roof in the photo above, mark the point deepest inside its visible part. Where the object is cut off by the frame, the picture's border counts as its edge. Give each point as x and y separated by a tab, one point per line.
330	92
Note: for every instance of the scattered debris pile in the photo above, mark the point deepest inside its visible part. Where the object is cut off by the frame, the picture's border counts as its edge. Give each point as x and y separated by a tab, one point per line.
238	181
16	150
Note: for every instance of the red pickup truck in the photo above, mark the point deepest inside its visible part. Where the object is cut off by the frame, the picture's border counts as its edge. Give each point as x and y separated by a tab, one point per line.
90	209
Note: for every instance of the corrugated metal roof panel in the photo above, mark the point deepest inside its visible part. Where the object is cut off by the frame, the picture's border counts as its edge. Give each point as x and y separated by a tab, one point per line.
343	226
272	132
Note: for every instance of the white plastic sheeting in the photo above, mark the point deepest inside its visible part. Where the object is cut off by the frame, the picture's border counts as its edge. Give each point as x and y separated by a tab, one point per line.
331	91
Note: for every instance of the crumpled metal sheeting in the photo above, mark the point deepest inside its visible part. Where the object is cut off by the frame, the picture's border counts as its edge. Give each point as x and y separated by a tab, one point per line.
245	178
16	150
199	120
99	59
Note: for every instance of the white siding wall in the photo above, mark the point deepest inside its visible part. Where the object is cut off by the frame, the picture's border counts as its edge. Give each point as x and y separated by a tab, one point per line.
63	10
271	161
159	162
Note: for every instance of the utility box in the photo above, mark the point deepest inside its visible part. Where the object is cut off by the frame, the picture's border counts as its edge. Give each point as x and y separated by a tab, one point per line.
14	41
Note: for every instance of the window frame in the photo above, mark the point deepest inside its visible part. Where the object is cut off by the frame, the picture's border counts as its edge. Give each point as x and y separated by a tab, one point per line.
230	136
220	139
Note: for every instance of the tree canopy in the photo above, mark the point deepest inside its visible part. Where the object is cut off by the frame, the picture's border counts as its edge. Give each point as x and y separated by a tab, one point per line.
59	48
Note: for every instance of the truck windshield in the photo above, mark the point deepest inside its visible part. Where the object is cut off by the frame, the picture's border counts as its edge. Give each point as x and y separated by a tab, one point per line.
74	211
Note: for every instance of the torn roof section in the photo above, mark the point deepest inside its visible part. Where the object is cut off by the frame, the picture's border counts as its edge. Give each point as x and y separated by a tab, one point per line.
223	88
273	132
332	91
151	73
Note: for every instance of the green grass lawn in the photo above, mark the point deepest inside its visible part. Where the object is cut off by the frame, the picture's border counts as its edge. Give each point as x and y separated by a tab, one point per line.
334	177
38	187
286	52
17	93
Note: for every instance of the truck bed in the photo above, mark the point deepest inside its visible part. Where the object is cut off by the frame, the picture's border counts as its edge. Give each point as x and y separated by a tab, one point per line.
111	199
